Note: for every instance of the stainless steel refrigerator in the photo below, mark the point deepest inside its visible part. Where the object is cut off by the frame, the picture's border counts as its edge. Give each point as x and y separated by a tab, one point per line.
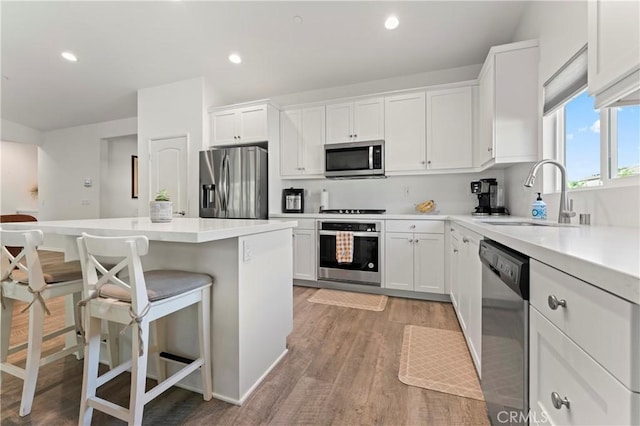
234	183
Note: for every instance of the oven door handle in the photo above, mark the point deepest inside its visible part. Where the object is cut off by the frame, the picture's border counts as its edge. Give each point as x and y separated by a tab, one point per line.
355	234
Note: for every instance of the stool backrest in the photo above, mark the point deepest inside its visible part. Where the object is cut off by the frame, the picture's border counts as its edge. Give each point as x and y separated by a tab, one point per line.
125	252
6	218
27	241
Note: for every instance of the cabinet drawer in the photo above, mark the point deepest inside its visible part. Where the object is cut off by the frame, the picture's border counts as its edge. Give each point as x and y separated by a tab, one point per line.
306	223
605	326
558	365
423	226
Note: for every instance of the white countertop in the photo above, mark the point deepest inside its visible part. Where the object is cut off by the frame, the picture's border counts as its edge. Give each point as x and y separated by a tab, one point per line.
185	230
607	257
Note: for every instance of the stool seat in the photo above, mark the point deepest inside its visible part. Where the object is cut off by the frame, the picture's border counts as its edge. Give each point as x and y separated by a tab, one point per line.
53	273
161	283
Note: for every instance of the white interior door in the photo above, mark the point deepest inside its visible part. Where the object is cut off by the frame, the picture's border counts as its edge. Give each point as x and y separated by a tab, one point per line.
168	166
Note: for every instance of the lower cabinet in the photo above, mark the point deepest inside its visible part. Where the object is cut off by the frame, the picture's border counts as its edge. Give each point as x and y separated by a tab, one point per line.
304	254
465	279
414	262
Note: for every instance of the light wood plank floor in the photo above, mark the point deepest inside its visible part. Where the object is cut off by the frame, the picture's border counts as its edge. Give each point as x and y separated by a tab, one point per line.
341	369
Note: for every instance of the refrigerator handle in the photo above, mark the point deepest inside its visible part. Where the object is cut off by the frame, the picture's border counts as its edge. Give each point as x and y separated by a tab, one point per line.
225	183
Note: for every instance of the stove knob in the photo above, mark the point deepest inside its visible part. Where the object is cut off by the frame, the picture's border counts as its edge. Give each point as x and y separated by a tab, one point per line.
358	211
340	211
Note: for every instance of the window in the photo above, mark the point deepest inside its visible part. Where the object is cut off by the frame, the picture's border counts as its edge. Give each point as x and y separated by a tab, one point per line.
625	141
582	142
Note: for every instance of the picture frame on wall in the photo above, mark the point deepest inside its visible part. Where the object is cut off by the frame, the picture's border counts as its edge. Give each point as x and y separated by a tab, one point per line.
134	176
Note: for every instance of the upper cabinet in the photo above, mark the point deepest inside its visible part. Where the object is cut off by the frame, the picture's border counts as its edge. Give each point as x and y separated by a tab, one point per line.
450	128
508	116
360	120
247	124
404	123
302	135
614	46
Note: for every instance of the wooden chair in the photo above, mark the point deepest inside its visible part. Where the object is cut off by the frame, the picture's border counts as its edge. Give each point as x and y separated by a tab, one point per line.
146	297
25	278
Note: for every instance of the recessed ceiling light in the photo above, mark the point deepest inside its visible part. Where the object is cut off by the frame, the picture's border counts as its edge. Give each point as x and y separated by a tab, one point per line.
235	58
70	56
391	23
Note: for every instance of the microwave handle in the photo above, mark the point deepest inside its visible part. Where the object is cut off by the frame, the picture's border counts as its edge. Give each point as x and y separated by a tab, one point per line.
371	158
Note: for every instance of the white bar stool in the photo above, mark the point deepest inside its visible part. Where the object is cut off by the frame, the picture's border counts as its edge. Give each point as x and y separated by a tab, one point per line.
146	297
23	279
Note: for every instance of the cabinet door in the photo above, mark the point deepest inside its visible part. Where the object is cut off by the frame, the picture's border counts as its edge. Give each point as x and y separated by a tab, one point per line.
368	119
399	261
224	127
253	124
304	254
483	151
405	145
454	271
450	129
473	290
339	122
313	136
290	140
614	43
428	260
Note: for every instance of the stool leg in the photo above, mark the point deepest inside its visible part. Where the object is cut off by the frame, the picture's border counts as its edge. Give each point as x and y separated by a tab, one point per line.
76	297
158	335
138	373
113	343
90	376
6	317
204	329
34	349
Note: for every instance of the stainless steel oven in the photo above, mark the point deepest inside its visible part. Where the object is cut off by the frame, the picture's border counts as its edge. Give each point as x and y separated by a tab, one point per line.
367	254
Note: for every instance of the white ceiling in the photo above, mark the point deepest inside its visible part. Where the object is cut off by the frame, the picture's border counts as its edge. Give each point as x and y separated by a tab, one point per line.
125	46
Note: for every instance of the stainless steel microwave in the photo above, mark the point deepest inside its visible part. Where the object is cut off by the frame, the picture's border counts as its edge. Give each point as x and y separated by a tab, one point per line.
354	159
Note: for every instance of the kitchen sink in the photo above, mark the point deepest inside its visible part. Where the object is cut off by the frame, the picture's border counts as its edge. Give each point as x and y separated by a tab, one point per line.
525	223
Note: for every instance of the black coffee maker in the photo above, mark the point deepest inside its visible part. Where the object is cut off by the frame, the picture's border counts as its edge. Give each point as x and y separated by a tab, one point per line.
489	202
293	200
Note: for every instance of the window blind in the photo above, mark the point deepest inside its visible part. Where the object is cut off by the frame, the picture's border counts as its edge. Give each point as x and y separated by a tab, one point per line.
570	79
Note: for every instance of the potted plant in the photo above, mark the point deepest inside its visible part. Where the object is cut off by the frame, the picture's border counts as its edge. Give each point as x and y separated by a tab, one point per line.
161	209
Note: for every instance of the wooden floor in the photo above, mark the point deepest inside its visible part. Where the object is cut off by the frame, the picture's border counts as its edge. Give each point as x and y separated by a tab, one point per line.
341	369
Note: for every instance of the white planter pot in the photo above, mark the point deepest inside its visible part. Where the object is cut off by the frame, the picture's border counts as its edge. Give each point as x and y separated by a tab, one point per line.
160	211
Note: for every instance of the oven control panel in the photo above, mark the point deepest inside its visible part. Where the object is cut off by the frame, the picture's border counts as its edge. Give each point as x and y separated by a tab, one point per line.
350	226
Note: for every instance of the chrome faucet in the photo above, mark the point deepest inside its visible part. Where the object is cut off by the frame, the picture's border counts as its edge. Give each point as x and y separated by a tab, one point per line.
565	212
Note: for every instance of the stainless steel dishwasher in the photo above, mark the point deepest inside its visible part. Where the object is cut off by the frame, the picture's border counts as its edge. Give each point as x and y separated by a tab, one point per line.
505	333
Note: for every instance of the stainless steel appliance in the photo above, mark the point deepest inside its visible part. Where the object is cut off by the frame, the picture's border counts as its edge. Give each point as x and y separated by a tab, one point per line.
490	198
293	200
234	183
367	254
354	159
505	333
352	211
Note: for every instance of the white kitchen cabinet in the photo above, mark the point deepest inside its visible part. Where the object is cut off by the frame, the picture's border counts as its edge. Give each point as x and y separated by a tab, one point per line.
454	268
246	124
414	261
304	254
568	387
302	135
360	120
467	287
450	128
404	126
614	46
508	111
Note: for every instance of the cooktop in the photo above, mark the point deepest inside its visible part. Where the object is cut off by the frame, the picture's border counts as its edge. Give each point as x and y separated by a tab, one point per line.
353	211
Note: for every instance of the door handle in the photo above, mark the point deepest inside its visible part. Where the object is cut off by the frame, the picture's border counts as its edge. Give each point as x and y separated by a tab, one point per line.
181	213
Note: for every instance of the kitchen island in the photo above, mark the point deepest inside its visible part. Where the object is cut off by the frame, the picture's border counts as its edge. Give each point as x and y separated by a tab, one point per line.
251	262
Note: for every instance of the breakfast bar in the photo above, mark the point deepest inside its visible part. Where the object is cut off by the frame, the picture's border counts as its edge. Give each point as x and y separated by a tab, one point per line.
252	306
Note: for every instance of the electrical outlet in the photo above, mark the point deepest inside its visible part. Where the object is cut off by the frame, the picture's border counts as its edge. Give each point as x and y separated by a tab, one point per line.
85	202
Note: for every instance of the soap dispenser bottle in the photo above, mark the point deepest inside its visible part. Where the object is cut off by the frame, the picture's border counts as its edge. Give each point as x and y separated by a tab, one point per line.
539	209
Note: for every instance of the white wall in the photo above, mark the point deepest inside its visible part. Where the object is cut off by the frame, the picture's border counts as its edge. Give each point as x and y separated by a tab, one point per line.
115	177
432	78
174	109
15	132
18	175
451	192
68	157
561	28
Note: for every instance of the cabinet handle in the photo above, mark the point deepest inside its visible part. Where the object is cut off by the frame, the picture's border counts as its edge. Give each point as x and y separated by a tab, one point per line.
410	240
429	162
416	241
465	240
355	136
451	229
238	137
412	227
455	250
558	402
350	136
423	162
235	137
554	303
